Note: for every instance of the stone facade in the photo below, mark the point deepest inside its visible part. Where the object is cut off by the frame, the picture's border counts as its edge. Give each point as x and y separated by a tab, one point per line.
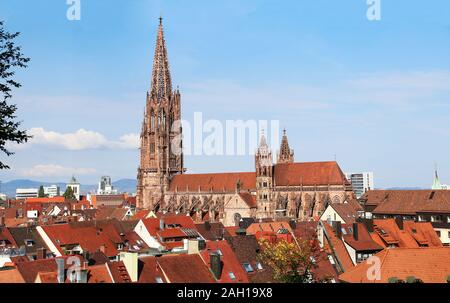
285	189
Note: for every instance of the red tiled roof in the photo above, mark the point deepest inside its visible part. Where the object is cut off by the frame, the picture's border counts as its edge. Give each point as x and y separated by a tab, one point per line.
11	276
386	233
230	262
46	200
182	220
213	182
409	202
87	237
249	199
429	264
268	227
309	174
337	247
149	270
185	269
171	233
364	242
346	211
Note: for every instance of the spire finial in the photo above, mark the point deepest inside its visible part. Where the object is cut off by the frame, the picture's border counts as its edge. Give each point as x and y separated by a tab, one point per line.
160	19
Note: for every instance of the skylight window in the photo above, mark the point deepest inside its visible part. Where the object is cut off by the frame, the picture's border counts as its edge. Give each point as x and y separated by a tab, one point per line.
219	252
232	275
159	280
248	267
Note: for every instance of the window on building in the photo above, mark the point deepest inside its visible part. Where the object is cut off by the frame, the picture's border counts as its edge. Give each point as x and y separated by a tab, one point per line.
438	233
448	219
152	148
248	267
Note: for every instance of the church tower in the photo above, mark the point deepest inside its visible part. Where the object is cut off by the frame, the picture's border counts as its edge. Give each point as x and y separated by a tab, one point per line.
285	155
264	180
161	133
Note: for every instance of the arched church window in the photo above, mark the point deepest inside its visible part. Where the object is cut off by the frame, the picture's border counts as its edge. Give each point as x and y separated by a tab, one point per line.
336	200
152	120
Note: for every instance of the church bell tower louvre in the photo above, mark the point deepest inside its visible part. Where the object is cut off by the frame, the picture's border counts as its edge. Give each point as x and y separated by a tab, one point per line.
161	133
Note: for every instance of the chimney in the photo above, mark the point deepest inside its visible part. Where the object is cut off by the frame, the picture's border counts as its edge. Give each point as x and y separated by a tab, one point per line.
399	221
216	265
368	223
161	224
293	224
103	249
130	260
192	246
337	228
207	225
41	253
355	231
60	269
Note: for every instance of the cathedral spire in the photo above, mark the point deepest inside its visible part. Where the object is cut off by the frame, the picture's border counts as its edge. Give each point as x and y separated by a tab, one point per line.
285	155
161	80
436	182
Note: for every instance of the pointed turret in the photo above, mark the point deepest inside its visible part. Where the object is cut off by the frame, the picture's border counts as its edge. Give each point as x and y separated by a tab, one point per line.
285	155
161	79
436	183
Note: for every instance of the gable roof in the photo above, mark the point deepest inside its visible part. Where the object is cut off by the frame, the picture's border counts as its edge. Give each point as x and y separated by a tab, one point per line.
185	269
409	202
309	174
346	211
249	199
87	237
11	276
213	182
20	234
149	271
428	264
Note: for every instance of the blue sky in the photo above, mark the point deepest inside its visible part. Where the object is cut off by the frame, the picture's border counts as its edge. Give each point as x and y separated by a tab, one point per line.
375	94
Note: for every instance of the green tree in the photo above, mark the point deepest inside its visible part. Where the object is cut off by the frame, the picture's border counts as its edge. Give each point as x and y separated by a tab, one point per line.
11	58
290	262
41	193
68	194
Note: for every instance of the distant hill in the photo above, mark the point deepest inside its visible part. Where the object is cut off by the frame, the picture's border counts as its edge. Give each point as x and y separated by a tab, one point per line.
9	188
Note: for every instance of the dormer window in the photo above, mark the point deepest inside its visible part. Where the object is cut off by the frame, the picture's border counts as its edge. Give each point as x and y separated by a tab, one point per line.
29	243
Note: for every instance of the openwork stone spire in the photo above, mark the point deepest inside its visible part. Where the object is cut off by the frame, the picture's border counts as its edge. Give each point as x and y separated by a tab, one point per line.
286	155
161	80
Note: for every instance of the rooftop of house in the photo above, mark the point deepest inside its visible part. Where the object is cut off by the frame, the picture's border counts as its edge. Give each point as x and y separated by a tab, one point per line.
276	227
409	234
232	269
427	264
185	269
408	202
212	231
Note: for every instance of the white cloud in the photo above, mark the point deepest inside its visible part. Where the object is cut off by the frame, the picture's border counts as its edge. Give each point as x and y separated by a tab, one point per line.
79	140
53	170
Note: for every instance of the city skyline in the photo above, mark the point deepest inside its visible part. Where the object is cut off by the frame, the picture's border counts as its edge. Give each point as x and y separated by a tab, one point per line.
375	95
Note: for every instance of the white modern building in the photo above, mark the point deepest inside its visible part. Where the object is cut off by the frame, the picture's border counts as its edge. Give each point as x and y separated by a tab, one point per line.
23	193
361	182
3	197
105	186
52	191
